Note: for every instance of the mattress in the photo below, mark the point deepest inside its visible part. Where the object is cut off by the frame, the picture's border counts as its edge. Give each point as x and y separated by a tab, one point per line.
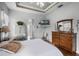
35	47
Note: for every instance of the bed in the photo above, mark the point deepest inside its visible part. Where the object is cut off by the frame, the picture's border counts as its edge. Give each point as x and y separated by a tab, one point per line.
34	47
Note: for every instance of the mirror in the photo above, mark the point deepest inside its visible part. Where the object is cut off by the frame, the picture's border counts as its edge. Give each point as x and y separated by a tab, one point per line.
65	25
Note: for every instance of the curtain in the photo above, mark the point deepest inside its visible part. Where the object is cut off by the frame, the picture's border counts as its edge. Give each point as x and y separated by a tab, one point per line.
4	22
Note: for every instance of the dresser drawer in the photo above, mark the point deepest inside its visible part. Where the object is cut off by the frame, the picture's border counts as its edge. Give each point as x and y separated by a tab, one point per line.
67	44
63	39
55	33
55	41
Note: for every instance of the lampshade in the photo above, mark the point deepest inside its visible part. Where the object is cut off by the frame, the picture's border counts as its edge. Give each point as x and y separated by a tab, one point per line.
5	29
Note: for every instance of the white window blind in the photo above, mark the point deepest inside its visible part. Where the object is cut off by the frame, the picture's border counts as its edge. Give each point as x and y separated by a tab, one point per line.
4	18
4	22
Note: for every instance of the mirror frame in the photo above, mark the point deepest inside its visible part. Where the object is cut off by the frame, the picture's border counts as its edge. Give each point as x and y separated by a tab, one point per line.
69	20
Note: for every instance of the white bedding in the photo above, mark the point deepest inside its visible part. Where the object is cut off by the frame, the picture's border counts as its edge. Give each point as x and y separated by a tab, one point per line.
36	47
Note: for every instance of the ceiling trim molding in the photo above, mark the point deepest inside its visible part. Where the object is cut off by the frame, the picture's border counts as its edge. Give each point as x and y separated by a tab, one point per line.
50	6
38	10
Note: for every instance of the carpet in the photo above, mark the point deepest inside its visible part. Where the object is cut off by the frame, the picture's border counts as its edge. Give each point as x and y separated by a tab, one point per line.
12	46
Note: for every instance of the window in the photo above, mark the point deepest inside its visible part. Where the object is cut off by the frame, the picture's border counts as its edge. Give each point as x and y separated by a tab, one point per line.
4	22
4	18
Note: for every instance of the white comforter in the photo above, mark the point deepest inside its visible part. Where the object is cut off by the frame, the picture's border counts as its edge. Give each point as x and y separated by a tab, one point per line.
36	47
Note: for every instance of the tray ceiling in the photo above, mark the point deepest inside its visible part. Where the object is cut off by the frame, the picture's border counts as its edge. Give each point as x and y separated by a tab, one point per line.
36	6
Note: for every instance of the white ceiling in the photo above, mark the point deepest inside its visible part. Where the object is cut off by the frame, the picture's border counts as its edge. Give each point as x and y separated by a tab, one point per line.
12	6
38	5
32	8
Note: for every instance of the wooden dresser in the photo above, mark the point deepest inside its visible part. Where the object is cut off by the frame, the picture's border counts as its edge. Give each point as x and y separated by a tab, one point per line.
63	40
55	38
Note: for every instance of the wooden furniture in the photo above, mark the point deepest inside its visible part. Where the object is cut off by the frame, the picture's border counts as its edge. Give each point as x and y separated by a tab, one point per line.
55	38
64	38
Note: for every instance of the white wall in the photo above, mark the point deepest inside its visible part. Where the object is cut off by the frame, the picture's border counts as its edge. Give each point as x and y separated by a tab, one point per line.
68	11
3	7
25	17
